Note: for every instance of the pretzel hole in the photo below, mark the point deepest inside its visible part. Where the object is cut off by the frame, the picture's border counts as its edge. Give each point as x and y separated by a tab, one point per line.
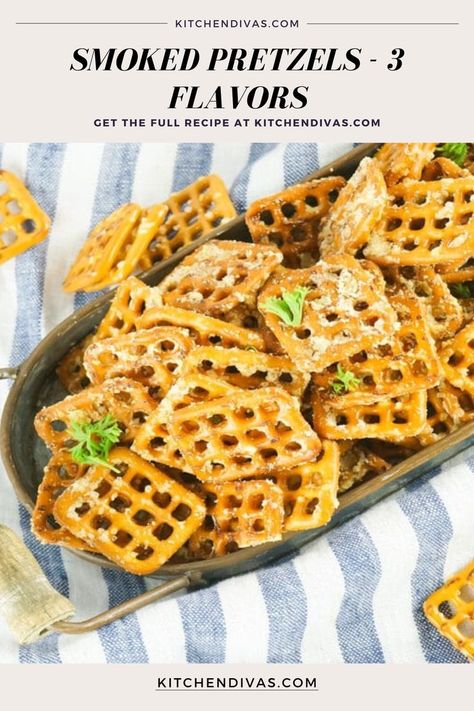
200	446
360	357
466	628
231	547
120	503
123	396
266	217
368	322
440	428
118	324
233	502
276	239
100	522
255	435
143	518
218	466
303	333
268	453
311	200
258	525
28	226
122	538
293	482
288	507
285	378
446	609
361	305
82	509
466	402
231	370
440	224
456	359
199	393
139	417
190	426
13	207
288	210
163	531
215	339
57	491
140	483
240	460
371	419
64	473
51	524
409	342
434	244
368	380
393	224
143	552
331	317
332	196
311	506
394	375
162	499
293	447
419	368
466	593
58	425
244	413
229	441
250	322
341	420
400	419
103	488
410	246
122	467
417	223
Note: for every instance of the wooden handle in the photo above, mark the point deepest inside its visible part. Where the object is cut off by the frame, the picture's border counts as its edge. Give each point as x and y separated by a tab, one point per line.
27	601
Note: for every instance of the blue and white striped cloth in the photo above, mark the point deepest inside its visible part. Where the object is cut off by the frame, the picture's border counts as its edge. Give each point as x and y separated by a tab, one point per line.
353	596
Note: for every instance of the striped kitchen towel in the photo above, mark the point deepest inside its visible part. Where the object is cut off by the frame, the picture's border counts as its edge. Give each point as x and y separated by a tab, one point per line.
355	595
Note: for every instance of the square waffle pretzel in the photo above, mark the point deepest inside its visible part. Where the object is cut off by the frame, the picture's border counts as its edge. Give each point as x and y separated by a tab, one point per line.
246	369
406	363
153	440
137	518
457	359
127	258
346	228
22	222
393	419
130	301
399	161
439	422
102	248
345	311
205	330
291	219
451	610
70	371
59	473
219	276
358	464
425	223
127	401
153	358
239	514
309	490
192	212
243	435
443	312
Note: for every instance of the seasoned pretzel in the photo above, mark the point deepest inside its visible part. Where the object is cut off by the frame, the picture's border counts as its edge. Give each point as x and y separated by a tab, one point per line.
344	311
219	276
358	464
457	359
239	514
192	213
407	363
246	434
246	369
346	228
291	219
399	161
443	312
459	404
309	490
205	330
438	421
393	419
22	222
441	167
102	248
425	223
127	401
59	473
154	358
70	370
131	251
153	440
137	518
130	301
451	610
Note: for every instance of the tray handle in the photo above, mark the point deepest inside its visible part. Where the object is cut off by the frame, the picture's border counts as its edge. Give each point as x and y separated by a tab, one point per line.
33	608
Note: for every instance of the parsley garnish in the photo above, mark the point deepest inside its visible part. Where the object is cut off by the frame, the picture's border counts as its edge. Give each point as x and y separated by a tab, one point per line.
94	440
462	291
289	307
456	152
344	381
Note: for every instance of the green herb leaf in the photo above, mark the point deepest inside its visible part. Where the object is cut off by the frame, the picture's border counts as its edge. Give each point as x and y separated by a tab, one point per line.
461	291
289	307
344	381
456	152
94	440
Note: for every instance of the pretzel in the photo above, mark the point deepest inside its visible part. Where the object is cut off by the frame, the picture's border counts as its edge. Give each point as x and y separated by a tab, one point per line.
393	419
250	318
441	167
443	312
153	440
137	518
399	161
459	404
70	370
425	223
219	276
358	464
438	421
344	311
451	610
243	435
59	473
127	401
407	363
458	271
153	358
309	490
205	330
130	301
102	248
192	213
246	369
22	222
346	228
291	219
239	514
457	359
131	251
